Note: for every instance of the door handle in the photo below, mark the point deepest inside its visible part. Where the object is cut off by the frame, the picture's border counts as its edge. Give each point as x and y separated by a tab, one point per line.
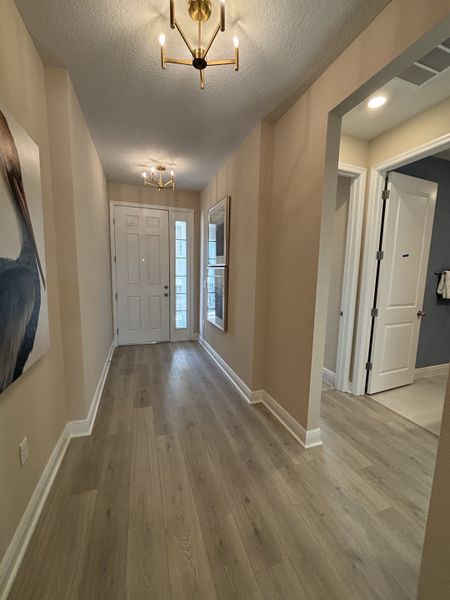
421	314
166	294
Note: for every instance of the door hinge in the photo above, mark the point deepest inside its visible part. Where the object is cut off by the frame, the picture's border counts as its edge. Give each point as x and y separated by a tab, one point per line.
386	194
380	254
117	330
117	297
115	259
368	366
114	220
374	312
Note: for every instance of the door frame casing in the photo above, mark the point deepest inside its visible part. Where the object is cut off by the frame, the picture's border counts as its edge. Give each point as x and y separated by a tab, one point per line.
351	272
370	245
191	265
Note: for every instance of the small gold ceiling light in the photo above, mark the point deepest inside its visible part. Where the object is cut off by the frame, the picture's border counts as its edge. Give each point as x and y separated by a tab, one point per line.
156	178
200	11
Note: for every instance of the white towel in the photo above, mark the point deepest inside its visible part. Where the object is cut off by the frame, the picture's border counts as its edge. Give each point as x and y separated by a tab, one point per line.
444	285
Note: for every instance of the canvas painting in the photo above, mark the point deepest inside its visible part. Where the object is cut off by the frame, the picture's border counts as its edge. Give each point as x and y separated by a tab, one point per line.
24	335
218	224
217	297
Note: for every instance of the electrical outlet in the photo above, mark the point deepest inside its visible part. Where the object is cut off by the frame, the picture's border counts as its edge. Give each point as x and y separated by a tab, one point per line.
23	451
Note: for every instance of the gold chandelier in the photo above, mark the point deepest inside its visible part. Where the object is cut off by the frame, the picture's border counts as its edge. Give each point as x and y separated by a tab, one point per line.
200	12
156	178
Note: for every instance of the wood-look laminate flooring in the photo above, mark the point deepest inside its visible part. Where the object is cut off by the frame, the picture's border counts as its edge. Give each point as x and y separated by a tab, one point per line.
184	491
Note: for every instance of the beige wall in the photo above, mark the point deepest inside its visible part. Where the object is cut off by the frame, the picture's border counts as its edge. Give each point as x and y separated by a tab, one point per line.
339	240
353	151
435	573
238	178
261	315
57	88
93	250
82	214
34	405
120	192
60	386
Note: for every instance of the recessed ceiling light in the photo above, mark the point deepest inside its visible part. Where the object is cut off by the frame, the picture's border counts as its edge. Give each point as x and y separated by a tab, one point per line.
377	102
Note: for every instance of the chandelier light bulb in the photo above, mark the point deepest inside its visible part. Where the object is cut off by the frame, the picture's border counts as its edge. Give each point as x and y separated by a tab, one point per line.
153	169
144	174
162	40
236	41
172	172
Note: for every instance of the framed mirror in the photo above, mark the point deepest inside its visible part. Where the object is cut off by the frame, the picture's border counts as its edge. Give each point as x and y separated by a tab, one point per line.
218	231
217	297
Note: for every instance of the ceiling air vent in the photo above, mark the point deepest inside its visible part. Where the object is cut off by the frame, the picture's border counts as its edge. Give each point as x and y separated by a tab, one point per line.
429	66
437	59
417	75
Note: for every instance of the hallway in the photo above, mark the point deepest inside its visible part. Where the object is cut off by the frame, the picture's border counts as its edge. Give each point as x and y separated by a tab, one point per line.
184	491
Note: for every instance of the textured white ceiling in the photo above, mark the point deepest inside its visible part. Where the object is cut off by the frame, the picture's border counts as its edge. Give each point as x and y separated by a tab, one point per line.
138	112
405	100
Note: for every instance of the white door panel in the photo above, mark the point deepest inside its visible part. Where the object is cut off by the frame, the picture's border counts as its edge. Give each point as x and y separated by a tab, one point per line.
406	243
142	266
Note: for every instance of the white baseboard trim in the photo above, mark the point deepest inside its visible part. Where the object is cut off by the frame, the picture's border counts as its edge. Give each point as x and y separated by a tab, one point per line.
308	439
241	386
12	559
328	377
433	370
84	427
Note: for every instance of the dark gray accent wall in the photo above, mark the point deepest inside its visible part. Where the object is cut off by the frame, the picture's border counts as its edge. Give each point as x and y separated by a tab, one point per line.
434	340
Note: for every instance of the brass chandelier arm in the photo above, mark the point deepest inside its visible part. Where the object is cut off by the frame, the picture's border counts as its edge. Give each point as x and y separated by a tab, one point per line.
224	61
211	41
177	61
227	61
186	41
202	80
153	182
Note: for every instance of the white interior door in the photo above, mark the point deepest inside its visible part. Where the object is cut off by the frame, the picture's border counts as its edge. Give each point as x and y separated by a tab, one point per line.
142	267
406	243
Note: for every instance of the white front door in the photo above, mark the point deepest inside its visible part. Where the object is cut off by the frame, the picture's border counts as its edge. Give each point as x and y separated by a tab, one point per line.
142	267
406	240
